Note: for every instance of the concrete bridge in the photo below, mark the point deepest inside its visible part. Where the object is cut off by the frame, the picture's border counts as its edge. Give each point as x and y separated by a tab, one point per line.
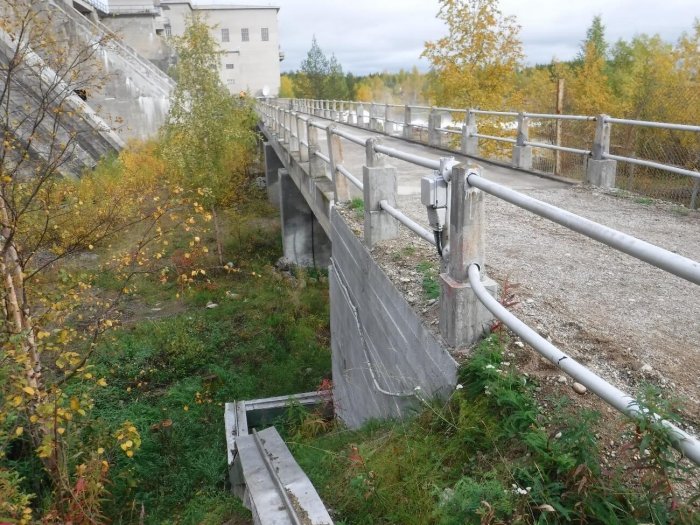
391	346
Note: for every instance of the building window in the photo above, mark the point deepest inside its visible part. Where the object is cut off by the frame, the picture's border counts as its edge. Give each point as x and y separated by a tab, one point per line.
229	66
244	34
265	33
168	30
224	35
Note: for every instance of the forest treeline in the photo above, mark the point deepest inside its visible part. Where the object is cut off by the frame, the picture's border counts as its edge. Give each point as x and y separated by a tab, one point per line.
479	63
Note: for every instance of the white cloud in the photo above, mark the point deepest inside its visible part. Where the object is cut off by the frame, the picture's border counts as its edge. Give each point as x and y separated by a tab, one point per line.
369	36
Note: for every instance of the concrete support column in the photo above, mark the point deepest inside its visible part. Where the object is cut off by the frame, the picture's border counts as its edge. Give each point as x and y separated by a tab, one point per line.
334	111
327	109
317	168
463	319
470	143
303	239
361	115
379	183
272	166
407	121
599	170
434	123
522	153
335	153
294	132
373	117
303	137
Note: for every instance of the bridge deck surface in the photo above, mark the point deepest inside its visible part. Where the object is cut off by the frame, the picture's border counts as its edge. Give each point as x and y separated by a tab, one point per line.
630	322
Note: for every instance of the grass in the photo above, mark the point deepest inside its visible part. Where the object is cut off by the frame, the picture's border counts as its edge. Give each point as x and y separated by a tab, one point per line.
489	454
170	378
431	285
358	205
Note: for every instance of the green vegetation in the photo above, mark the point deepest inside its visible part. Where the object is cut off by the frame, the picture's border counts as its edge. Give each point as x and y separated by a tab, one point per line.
431	285
358	204
170	378
490	454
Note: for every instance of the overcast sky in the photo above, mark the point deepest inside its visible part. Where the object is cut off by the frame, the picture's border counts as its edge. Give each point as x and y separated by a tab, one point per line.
372	36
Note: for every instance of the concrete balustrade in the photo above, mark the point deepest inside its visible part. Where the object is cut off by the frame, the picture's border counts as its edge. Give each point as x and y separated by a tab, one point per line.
522	153
379	182
599	170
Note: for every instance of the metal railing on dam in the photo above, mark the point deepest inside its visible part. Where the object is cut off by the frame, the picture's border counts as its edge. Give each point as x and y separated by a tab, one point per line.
464	250
653	158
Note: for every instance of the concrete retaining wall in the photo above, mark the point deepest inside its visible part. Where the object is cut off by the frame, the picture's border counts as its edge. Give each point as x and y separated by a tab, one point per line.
380	346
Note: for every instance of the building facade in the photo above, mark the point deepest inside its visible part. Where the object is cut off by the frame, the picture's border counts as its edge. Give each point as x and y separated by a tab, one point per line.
247	35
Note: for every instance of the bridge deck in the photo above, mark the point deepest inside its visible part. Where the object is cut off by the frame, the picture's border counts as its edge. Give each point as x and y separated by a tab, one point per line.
628	321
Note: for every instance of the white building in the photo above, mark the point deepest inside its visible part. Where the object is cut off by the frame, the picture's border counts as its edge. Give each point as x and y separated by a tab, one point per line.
247	35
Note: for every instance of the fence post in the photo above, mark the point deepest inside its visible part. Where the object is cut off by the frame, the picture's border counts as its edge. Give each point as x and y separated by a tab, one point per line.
317	167
379	183
335	153
434	123
385	126
327	109
407	120
372	117
361	115
599	170
522	153
470	143
303	137
293	132
334	110
463	319
694	196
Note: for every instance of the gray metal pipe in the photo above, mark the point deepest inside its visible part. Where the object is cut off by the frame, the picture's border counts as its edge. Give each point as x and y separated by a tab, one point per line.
350	176
558	117
408	157
657	165
491	137
349	136
557	148
609	393
650	124
412	225
671	262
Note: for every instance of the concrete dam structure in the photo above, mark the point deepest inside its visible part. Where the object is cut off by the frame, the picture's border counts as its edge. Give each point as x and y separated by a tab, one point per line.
129	99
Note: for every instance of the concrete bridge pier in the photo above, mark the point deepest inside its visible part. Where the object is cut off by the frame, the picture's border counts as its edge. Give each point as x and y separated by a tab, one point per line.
303	239
272	166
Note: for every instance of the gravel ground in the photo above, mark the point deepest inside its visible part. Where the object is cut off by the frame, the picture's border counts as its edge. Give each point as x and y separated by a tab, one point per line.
625	319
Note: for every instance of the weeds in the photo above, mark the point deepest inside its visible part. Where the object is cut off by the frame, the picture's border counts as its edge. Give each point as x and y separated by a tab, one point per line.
358	205
490	455
431	285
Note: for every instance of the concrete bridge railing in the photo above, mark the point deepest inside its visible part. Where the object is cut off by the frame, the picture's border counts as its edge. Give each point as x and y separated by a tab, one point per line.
467	296
533	141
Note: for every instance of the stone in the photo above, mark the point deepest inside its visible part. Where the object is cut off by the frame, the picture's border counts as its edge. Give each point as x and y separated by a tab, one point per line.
646	369
211	305
561	379
579	388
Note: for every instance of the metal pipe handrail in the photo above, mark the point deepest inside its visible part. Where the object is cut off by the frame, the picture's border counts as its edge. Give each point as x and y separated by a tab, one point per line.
498	113
404	219
609	393
323	157
349	136
408	157
559	117
452	110
650	124
342	169
491	137
661	258
316	124
448	130
557	148
650	164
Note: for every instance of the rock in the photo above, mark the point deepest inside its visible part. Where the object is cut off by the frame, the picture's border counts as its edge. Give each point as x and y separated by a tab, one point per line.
284	264
431	302
231	295
520	344
561	379
211	305
579	388
646	369
405	280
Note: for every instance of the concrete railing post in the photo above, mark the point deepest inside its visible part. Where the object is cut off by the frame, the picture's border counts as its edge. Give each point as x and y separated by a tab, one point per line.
599	170
334	111
327	109
470	143
293	131
463	319
386	127
522	153
303	137
286	117
407	121
341	112
694	195
361	115
434	124
335	153
373	116
379	183
317	167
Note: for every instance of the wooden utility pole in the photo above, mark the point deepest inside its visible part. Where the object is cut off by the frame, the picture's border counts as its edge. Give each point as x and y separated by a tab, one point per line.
560	109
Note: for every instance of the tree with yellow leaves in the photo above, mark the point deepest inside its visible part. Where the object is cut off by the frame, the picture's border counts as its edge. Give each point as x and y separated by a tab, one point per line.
475	64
